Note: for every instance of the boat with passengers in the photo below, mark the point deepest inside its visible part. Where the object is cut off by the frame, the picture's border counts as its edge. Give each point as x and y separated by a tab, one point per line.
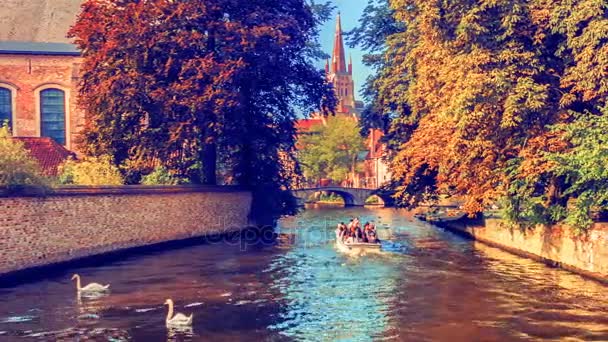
354	238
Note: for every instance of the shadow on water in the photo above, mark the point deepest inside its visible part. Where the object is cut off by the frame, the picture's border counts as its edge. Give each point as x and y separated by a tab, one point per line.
248	239
428	285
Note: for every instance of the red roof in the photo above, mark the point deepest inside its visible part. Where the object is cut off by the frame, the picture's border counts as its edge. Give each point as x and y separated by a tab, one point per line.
307	124
47	152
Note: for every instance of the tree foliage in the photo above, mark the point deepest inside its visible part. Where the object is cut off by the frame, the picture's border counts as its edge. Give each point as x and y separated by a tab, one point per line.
376	26
162	176
195	84
584	166
471	92
17	167
331	151
90	171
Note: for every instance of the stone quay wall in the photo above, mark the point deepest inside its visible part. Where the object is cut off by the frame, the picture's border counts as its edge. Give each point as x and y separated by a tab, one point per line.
555	246
77	222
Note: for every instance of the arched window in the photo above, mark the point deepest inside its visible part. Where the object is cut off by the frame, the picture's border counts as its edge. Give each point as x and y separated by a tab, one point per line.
6	106
52	114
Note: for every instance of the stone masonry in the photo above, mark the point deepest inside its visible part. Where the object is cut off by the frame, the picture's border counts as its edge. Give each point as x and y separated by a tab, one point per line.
75	223
556	246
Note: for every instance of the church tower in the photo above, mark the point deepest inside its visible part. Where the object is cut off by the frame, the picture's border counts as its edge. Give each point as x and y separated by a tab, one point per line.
341	76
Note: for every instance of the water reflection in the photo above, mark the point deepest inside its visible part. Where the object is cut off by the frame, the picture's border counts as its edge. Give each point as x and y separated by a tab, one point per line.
428	285
179	333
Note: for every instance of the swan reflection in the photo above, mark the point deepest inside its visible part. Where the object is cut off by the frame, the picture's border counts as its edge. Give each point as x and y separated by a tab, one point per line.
90	305
179	333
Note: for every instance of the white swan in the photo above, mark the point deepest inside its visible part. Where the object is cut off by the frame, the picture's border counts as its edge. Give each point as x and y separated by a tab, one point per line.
177	320
90	288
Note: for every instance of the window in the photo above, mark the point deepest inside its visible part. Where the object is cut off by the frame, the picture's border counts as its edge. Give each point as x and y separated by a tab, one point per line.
6	106
52	114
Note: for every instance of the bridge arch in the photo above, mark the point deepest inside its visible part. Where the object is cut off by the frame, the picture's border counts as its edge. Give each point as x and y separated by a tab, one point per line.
375	199
349	199
351	196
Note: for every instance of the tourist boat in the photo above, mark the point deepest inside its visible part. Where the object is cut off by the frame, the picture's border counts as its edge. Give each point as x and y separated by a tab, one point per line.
357	247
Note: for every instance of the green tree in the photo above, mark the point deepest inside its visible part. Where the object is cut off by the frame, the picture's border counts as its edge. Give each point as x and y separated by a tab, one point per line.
90	171
376	25
162	176
17	168
583	167
331	151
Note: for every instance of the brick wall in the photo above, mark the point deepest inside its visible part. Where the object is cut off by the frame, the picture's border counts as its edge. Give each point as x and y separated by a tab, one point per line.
556	246
78	222
26	75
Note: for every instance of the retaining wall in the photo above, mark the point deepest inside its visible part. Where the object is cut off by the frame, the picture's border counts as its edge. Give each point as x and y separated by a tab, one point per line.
77	222
557	246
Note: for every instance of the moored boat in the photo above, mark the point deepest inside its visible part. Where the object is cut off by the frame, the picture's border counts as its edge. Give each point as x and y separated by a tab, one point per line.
421	216
445	217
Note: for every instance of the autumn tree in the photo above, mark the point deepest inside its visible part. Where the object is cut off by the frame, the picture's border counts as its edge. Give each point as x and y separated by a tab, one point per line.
153	85
190	84
473	91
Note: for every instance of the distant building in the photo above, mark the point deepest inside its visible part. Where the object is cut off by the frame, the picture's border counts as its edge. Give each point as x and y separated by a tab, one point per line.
376	171
341	76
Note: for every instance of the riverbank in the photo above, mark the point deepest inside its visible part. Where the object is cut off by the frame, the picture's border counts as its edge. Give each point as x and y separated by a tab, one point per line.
73	223
554	246
304	289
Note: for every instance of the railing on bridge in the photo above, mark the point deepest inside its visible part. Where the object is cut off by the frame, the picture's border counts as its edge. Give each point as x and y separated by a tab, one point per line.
329	184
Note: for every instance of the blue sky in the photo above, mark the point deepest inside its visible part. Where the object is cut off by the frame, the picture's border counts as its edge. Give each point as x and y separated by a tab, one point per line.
351	11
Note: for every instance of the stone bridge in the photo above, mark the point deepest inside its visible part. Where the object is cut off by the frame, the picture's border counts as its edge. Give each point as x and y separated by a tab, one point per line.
352	196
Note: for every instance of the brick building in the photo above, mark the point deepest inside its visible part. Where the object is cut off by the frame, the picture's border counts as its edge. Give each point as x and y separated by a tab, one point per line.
38	88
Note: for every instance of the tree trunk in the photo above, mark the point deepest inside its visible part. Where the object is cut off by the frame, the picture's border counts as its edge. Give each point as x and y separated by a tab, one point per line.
209	159
209	149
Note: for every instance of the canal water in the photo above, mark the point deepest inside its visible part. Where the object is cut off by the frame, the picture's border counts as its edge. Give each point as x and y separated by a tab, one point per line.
428	285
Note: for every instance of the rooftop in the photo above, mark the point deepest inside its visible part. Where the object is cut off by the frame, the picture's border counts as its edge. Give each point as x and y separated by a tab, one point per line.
307	124
48	153
38	48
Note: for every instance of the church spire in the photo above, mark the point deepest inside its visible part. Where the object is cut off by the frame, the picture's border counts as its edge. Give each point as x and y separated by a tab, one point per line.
338	59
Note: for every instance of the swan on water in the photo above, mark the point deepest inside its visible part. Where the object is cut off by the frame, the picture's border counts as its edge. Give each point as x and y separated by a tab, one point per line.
90	288
179	319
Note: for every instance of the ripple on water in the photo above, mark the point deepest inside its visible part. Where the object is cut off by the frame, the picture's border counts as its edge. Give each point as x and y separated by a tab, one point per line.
18	319
193	304
78	334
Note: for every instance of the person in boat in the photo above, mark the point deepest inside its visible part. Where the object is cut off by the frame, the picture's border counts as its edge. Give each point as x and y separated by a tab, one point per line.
364	236
353	227
351	223
350	238
358	237
373	234
340	230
